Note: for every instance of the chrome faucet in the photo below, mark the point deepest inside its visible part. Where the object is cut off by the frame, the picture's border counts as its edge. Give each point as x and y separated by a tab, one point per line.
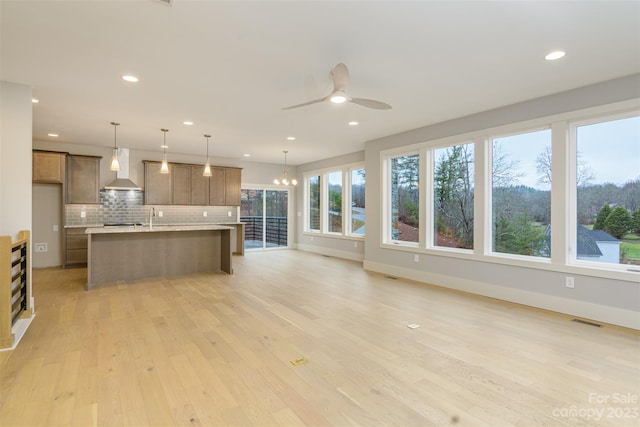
152	213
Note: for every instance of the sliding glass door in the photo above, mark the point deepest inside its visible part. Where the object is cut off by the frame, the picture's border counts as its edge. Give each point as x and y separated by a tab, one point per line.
265	213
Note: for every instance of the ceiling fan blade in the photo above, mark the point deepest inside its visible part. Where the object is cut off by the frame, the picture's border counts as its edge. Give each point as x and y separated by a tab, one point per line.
340	77
370	103
304	104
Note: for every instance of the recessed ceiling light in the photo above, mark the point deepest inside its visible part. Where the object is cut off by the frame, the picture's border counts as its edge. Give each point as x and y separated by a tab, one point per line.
130	78
164	146
291	138
353	123
246	155
55	135
188	123
34	100
556	54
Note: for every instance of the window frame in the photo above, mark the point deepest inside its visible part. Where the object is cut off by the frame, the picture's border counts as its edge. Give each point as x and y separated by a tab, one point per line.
562	193
572	211
324	201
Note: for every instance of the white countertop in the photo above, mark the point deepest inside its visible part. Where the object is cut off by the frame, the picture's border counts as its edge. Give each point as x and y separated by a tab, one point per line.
155	228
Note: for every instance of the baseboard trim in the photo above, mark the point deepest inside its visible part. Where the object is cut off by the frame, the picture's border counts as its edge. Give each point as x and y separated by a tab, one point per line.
331	252
587	310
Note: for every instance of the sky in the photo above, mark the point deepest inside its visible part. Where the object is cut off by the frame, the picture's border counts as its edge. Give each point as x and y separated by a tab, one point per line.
611	150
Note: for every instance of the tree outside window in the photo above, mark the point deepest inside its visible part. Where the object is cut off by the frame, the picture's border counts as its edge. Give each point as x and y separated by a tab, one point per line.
314	202
521	196
453	182
334	180
608	202
405	198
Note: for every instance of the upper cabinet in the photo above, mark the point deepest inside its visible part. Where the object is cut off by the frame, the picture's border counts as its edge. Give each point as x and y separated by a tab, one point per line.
186	185
233	179
83	179
157	186
48	167
199	186
181	184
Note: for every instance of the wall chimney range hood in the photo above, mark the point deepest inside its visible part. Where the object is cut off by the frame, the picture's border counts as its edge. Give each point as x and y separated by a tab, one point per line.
122	181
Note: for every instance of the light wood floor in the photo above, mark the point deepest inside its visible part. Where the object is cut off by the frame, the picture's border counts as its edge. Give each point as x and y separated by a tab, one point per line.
216	350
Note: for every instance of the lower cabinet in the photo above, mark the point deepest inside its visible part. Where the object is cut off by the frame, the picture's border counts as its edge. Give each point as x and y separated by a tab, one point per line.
75	248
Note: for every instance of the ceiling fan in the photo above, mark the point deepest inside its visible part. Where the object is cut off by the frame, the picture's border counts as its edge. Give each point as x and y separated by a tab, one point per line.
340	79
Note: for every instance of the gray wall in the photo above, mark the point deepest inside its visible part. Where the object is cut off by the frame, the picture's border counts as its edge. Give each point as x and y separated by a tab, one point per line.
596	297
342	247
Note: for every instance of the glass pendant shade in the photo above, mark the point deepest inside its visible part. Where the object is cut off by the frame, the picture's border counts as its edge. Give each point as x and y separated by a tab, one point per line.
115	163
207	166
164	168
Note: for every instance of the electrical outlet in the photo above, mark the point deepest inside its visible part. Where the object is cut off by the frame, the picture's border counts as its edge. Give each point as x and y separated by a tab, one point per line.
83	214
312	238
204	214
41	247
229	213
569	282
160	214
355	244
416	258
55	227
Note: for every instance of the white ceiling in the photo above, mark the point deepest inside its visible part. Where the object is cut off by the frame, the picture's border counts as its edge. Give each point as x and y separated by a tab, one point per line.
230	67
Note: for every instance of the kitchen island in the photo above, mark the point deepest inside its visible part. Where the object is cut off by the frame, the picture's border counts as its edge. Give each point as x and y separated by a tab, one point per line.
136	252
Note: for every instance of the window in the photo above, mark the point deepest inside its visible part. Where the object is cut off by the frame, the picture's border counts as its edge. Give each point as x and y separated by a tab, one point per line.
334	212
607	179
335	201
521	193
405	198
453	181
357	202
313	193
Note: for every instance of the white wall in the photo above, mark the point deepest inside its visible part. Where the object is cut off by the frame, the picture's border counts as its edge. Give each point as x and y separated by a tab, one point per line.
596	297
15	158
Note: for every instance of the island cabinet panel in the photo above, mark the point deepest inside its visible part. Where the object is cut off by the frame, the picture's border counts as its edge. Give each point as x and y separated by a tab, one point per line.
157	186
48	167
199	186
75	247
83	179
181	177
217	187
232	184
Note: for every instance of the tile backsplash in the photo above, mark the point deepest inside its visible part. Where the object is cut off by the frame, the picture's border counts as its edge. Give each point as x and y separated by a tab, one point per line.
117	206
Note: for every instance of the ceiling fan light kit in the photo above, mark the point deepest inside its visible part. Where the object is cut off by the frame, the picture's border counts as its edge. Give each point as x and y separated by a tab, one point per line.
338	95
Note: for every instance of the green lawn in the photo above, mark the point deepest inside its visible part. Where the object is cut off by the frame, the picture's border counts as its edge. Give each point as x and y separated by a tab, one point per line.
630	252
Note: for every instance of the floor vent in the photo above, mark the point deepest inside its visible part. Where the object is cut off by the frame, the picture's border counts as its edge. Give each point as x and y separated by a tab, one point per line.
391	277
586	322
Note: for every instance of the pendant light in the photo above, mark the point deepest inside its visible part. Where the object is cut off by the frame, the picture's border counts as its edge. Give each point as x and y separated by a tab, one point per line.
207	166
115	164
165	166
284	178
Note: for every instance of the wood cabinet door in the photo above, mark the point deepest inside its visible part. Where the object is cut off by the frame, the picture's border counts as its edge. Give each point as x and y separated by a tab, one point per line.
217	187
199	186
83	179
157	186
181	179
48	167
232	181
